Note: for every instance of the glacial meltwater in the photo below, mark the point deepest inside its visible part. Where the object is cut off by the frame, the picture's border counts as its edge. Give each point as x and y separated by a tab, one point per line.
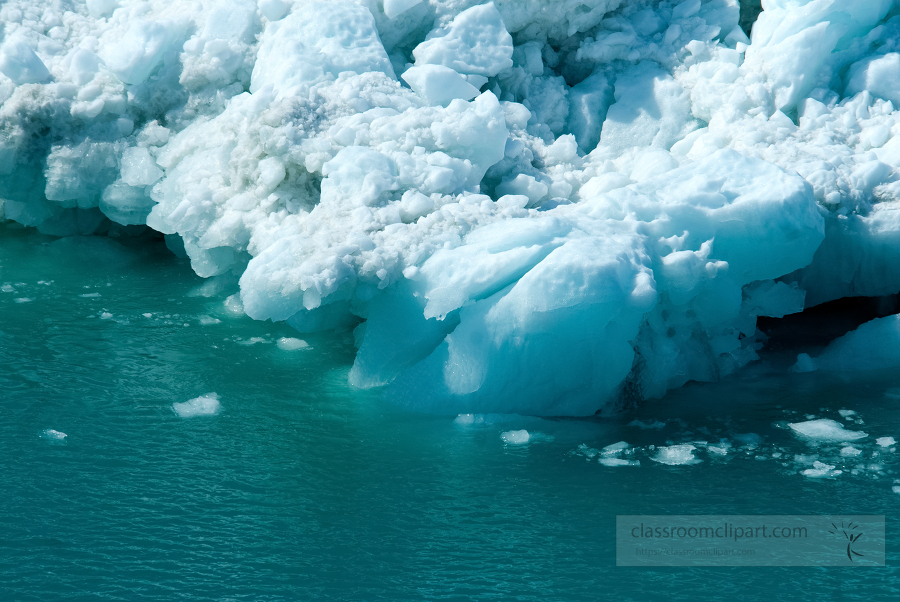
289	484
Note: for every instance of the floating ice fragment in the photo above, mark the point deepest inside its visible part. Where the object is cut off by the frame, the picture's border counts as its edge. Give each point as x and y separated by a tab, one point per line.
20	64
208	320
614	449
90	295
820	470
53	434
148	315
896	488
23	300
676	455
649	424
619	462
850	451
804	364
7	288
515	437
251	341
824	429
106	316
205	405
846	413
885	441
233	305
291	344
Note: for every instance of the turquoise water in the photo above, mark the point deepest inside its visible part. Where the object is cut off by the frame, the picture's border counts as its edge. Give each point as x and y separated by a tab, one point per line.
303	488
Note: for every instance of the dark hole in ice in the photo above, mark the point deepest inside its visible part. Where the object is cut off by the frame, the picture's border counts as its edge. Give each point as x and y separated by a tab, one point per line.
819	325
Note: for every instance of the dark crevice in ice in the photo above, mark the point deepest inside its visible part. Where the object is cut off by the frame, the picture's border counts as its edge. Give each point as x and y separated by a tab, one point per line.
819	325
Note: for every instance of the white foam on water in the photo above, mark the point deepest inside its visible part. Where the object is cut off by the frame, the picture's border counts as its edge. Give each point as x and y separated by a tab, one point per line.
205	405
825	430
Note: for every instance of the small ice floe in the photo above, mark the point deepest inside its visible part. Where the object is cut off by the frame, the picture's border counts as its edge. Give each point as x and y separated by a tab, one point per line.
885	441
610	455
848	414
234	306
720	449
89	295
649	424
825	430
291	344
251	341
515	437
821	470
7	288
612	462
205	405
484	419
804	364
588	452
106	316
208	320
53	435
147	315
896	488
676	455
23	300
850	452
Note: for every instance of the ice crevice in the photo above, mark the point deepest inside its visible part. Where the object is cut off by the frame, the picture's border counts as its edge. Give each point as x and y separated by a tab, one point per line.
534	208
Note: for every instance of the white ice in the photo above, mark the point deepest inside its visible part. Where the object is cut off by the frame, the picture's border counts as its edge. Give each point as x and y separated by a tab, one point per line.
676	455
205	405
826	430
535	207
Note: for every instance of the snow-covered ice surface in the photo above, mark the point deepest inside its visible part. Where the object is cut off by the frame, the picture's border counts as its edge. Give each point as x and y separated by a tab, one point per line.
541	208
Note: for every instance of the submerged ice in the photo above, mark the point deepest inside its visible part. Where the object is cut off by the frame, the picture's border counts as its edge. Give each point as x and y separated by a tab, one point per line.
534	207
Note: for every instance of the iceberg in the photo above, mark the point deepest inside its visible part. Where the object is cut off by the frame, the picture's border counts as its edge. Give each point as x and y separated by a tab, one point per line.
520	207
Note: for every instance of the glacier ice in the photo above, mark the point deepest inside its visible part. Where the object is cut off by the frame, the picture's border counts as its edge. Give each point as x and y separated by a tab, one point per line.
533	207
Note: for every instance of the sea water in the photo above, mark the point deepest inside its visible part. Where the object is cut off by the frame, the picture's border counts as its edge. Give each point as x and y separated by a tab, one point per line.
156	444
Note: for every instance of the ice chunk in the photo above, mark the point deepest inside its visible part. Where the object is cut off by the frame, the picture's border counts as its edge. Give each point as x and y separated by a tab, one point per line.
850	451
874	345
316	41
273	9
651	109
647	424
101	8
205	405
137	53
825	430
515	437
804	364
676	455
438	84
291	344
885	441
53	434
475	42
879	75
208	320
821	470
614	448
19	63
139	168
395	8
846	413
613	462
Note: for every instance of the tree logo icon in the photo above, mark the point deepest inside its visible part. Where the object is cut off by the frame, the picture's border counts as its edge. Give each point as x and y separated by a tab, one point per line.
850	534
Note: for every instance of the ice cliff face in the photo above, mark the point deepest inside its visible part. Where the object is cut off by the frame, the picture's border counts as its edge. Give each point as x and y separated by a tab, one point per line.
540	207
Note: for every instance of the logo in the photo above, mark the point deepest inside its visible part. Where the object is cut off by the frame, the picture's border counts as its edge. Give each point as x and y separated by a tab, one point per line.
849	533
